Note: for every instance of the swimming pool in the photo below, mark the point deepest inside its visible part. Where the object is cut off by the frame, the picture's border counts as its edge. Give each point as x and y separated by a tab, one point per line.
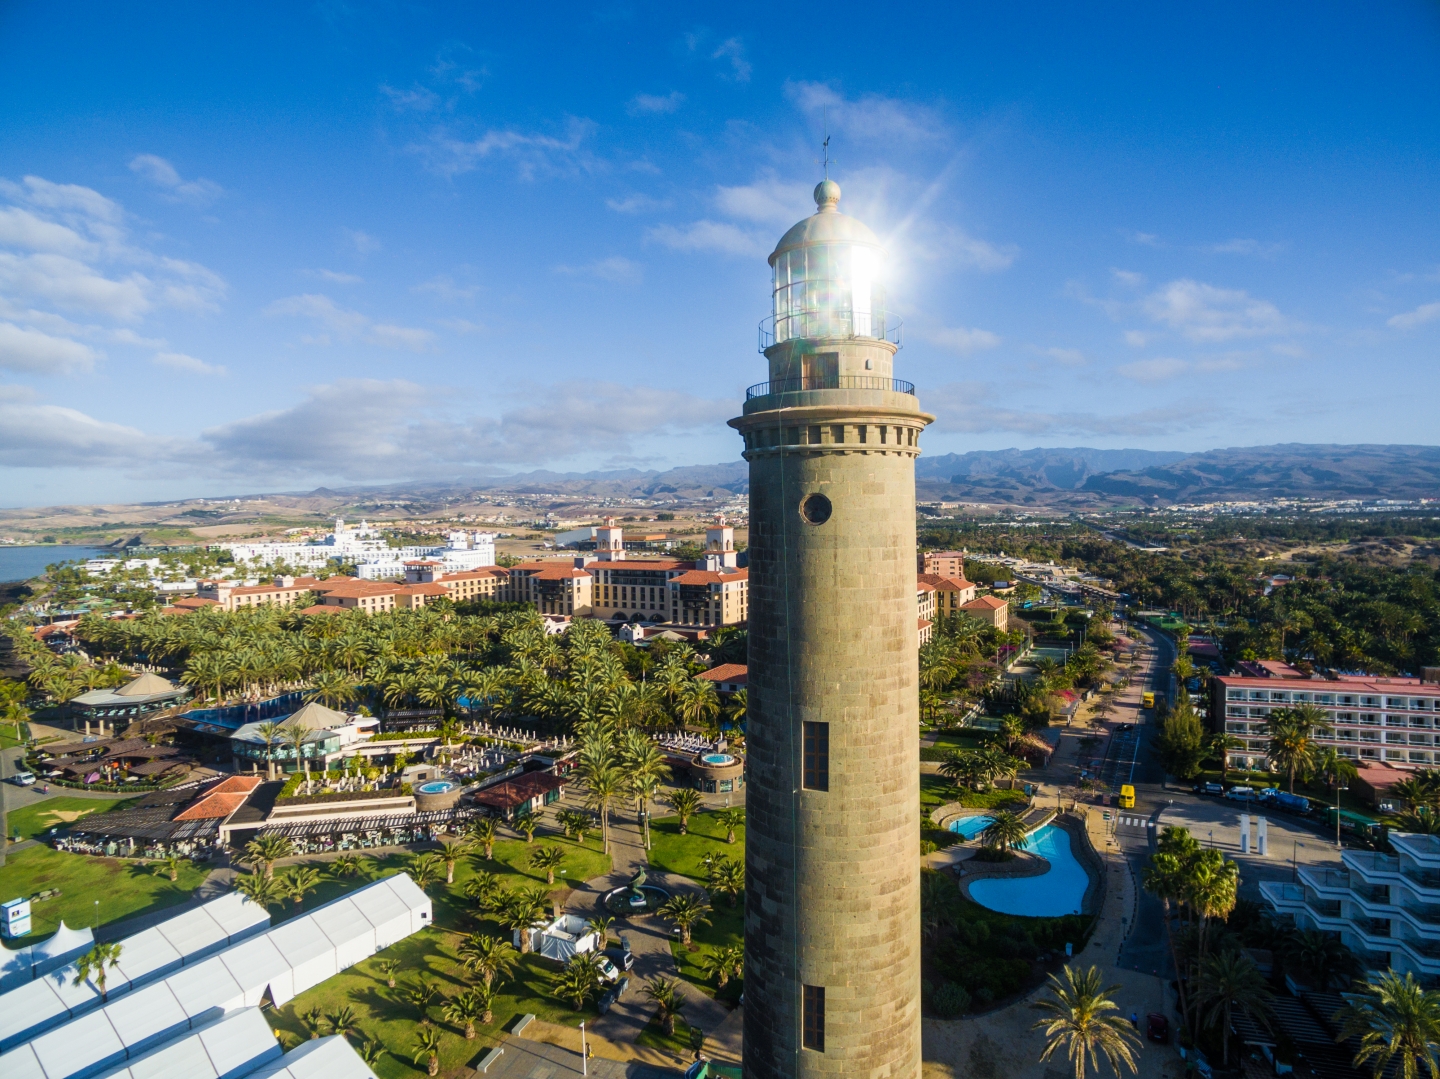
1060	891
970	827
718	758
439	786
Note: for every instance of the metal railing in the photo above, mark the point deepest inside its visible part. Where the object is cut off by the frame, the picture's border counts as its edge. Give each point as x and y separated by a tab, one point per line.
878	325
829	382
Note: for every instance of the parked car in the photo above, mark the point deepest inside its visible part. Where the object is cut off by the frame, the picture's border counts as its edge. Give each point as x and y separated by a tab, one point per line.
621	957
23	779
1157	1028
604	1003
607	969
1238	793
1210	788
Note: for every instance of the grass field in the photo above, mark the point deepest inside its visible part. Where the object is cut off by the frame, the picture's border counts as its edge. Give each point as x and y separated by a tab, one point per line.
385	1016
936	790
654	1037
123	888
34	820
685	854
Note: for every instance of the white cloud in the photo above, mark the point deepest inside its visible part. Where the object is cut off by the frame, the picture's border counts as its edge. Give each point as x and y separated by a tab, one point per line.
616	268
444	287
73	285
1206	313
1426	312
21	228
1245	247
981	254
462	325
533	153
635	204
348	324
1128	277
1070	357
968	407
653	103
1136	338
48	436
362	242
163	174
871	116
30	350
1156	370
337	277
767	201
418	98
712	236
178	361
965	341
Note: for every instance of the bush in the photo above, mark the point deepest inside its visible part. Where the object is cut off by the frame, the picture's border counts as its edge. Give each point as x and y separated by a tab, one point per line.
950	1000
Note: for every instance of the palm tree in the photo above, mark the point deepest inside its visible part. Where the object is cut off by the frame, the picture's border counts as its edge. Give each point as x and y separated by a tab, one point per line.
425	869
483	832
723	963
168	867
686	802
574	823
527	822
578	981
488	957
1323	957
730	819
1394	1018
343	1020
1079	1024
606	785
427	1050
669	999
259	889
332	688
387	969
1220	746
601	927
1337	769
1229	980
960	768
686	910
1292	739
313	1020
94	963
644	788
1005	832
1165	879
294	736
466	1008
520	909
370	1051
548	859
420	996
300	882
266	850
347	865
727	876
269	734
450	854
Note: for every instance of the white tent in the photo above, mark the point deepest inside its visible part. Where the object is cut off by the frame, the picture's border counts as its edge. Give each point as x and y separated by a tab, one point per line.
52	999
232	1046
564	938
283	961
26	964
321	1058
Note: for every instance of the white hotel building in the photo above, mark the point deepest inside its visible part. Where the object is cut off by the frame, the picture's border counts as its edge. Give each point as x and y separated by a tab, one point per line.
1391	720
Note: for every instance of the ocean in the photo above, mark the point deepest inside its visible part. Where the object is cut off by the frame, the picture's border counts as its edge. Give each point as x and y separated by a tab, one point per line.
22	563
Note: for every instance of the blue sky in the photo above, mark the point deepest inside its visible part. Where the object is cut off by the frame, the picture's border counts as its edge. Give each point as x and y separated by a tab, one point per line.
266	246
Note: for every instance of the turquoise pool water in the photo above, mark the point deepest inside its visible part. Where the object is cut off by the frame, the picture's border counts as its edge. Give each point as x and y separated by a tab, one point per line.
1049	895
970	827
439	786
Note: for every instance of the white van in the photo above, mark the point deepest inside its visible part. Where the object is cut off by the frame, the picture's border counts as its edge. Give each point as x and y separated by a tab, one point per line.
23	779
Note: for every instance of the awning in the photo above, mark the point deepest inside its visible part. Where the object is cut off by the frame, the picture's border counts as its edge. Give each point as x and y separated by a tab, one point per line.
360	825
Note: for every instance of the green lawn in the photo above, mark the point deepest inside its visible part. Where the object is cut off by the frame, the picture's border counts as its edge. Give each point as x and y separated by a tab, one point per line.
684	854
34	820
123	888
936	790
654	1037
383	1015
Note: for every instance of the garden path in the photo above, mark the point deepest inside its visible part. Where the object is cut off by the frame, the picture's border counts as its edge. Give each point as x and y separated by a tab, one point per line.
650	944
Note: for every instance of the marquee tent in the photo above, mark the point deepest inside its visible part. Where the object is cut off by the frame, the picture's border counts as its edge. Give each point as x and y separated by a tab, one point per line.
277	964
27	964
52	999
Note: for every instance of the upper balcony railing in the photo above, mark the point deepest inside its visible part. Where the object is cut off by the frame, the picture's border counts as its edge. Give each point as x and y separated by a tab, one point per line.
877	325
829	382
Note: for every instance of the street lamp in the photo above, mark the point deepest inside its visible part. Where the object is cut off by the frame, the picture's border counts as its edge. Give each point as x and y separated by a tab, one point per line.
1338	789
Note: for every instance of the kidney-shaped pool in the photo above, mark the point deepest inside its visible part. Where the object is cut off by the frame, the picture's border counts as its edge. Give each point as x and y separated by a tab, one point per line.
1060	891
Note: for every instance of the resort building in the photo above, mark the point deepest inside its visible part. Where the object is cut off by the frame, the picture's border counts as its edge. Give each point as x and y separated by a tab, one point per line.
463	586
1391	720
942	564
950	593
551	587
728	677
373	597
527	793
992	610
701	597
145	695
636	590
330	736
1383	907
281	592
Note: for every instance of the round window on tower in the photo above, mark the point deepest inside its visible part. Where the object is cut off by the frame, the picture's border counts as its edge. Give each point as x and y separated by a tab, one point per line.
815	509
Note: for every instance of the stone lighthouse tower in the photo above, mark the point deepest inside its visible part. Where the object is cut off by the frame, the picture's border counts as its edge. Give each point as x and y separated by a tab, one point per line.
832	910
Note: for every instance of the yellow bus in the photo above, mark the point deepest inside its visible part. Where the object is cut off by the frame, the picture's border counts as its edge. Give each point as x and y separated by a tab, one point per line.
1127	797
1149	698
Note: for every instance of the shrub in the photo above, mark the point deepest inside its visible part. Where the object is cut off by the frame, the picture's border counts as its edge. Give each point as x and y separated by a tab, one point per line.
950	1000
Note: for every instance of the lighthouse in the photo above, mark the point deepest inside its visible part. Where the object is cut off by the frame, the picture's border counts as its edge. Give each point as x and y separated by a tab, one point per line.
832	909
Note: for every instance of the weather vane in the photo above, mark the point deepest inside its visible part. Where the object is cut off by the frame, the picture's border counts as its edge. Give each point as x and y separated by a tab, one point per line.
825	159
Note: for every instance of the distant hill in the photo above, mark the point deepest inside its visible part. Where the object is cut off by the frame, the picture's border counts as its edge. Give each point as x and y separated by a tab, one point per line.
685	482
1003	475
1293	470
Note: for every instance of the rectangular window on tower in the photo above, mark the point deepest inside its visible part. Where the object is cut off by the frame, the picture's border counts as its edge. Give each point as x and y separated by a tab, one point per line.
816	765
861	430
837	433
813	1019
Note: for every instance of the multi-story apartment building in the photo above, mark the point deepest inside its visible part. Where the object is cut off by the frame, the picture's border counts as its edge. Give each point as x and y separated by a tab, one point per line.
1385	908
282	592
949	594
942	564
702	597
637	590
374	597
1395	720
463	586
